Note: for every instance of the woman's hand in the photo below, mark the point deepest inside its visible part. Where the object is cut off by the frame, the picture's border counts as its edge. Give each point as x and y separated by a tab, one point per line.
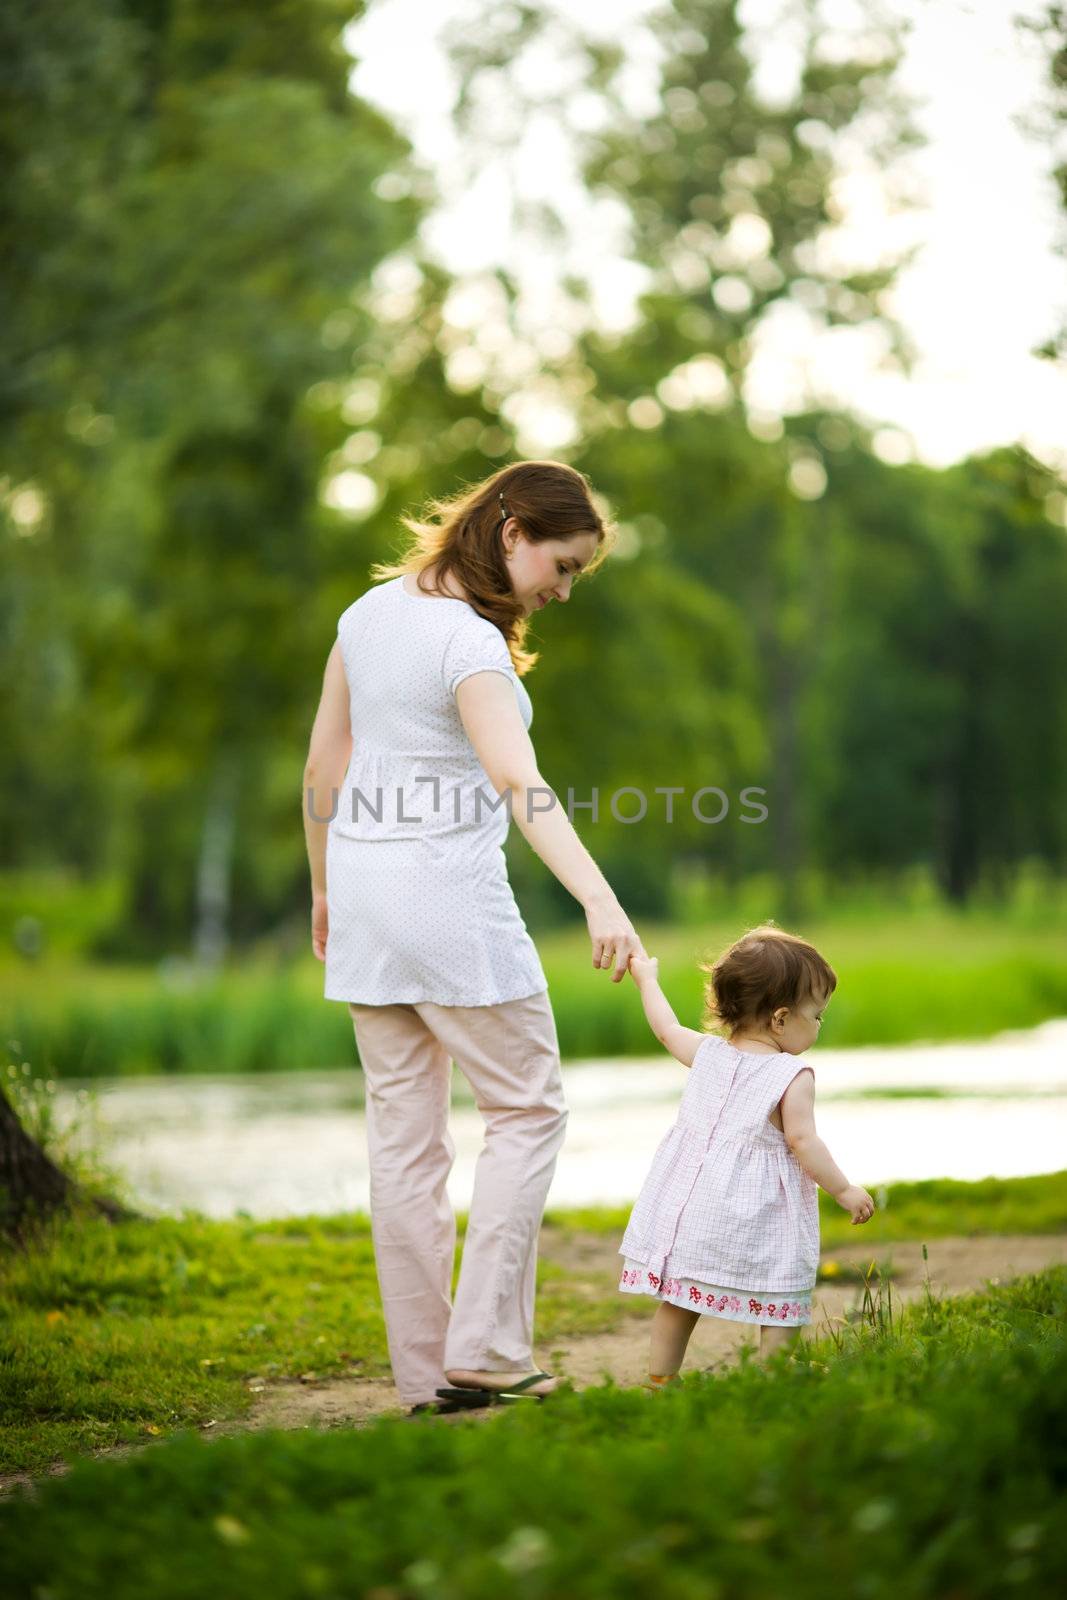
319	925
614	937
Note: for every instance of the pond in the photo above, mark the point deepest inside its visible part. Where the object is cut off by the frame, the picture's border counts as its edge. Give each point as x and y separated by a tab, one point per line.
284	1144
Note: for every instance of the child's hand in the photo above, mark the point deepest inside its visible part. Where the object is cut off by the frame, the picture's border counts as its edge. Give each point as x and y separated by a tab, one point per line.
858	1201
644	969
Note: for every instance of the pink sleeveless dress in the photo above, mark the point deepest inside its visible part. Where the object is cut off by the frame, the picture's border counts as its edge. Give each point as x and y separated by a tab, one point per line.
727	1220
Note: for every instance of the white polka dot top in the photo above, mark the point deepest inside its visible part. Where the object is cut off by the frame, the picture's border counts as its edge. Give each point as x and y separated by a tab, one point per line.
405	655
419	903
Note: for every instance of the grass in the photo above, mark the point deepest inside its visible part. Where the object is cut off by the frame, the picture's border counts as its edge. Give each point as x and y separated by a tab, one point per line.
114	1335
904	976
925	1456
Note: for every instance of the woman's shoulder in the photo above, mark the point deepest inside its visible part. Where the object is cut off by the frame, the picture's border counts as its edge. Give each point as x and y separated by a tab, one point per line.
369	600
443	615
460	640
469	622
473	642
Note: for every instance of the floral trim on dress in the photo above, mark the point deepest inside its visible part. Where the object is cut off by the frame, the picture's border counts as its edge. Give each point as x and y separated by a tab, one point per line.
785	1310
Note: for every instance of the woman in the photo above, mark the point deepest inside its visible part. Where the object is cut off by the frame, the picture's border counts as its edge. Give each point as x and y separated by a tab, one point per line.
423	727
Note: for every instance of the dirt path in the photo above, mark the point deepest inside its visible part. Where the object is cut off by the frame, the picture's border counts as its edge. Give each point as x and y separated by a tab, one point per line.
956	1266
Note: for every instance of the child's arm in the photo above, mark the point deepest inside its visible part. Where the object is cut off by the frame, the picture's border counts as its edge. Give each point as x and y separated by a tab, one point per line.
798	1125
681	1042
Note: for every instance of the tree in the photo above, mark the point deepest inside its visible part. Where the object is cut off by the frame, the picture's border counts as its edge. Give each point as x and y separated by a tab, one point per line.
32	1186
192	200
732	205
1046	122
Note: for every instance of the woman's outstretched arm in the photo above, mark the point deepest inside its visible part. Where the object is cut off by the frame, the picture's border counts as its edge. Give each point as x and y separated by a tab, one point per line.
490	714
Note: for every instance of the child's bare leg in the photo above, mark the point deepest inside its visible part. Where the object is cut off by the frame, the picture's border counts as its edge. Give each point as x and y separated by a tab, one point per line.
671	1330
771	1340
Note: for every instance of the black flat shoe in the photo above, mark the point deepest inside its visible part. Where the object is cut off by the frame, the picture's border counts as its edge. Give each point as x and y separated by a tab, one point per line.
464	1399
455	1399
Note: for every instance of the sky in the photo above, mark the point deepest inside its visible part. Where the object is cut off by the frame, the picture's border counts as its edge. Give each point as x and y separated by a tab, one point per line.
985	287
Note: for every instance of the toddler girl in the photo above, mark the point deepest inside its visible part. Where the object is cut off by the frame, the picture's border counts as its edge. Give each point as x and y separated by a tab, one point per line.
727	1220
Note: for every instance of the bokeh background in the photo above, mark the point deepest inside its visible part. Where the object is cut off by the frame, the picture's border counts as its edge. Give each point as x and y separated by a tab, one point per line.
783	277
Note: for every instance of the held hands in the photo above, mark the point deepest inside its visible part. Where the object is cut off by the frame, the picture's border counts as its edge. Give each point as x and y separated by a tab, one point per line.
644	969
319	925
614	938
858	1201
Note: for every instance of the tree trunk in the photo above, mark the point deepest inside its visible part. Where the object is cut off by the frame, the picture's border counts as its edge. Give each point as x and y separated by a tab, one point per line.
211	938
32	1187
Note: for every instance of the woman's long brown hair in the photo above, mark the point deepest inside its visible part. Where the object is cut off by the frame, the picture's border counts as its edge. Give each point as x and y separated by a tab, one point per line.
548	499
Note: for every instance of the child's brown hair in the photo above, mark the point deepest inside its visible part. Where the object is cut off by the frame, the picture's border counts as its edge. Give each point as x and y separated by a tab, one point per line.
764	969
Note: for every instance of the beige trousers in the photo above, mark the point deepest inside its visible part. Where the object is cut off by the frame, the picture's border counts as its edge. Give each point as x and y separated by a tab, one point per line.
509	1054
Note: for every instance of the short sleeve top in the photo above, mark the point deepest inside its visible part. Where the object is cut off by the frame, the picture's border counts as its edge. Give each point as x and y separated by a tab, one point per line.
414	772
475	646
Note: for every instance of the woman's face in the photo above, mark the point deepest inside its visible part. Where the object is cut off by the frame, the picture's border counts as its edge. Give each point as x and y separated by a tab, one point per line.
546	570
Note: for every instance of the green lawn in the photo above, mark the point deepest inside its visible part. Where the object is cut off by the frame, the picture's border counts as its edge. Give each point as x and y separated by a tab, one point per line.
923	1458
111	1335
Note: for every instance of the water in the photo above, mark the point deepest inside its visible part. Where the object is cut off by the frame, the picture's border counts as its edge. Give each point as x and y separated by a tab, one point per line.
283	1144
